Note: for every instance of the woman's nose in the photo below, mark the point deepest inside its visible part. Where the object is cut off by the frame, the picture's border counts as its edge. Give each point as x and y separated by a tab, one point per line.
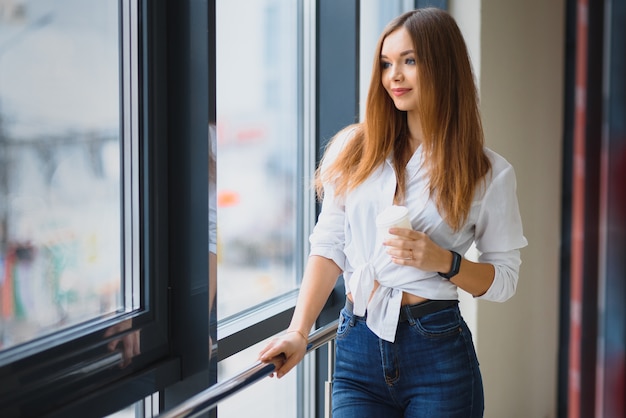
396	74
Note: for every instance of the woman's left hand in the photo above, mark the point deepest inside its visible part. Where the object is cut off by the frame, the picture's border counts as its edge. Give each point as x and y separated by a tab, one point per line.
416	249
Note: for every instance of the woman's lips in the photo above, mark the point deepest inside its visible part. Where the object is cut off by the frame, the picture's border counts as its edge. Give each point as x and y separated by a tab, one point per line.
400	92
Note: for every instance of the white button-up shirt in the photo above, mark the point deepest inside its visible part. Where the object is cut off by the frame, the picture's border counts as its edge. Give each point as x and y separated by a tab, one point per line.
346	233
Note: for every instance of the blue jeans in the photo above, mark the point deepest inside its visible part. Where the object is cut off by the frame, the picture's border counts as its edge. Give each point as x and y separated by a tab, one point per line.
431	369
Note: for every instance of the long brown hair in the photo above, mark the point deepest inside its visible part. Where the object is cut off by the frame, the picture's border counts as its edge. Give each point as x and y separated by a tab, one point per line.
448	109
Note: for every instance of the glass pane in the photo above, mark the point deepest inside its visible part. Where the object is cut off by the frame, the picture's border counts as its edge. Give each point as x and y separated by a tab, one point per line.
257	151
269	397
60	219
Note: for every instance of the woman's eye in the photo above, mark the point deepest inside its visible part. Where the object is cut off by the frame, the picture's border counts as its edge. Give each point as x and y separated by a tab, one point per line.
410	61
384	65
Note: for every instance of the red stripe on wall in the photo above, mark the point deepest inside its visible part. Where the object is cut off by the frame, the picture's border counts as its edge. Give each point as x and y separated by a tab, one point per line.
578	212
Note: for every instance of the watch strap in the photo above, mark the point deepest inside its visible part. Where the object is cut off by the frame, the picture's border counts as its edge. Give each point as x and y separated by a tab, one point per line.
454	268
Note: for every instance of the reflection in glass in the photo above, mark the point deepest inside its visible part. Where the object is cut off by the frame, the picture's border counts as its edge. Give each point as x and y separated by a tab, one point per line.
212	249
257	151
60	255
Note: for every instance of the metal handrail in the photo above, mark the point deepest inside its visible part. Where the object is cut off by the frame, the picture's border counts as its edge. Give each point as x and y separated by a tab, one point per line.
210	397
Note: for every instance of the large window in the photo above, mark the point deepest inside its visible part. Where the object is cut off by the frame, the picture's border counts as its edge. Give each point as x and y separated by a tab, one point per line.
260	169
82	301
259	143
264	198
60	183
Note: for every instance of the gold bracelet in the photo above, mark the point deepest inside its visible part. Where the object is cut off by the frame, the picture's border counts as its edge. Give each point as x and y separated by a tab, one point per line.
300	333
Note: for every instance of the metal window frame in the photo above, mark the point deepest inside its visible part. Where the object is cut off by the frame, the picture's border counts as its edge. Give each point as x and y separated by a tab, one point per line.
129	70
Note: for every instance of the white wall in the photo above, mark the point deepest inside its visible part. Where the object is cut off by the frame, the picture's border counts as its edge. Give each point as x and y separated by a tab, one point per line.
519	57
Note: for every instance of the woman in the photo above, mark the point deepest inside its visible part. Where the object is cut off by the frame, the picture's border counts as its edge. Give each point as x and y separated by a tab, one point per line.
403	349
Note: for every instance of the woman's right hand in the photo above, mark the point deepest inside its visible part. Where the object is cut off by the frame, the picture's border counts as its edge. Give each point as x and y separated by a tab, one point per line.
291	345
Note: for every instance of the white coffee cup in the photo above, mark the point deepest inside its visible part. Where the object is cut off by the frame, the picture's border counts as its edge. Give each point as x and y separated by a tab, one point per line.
392	217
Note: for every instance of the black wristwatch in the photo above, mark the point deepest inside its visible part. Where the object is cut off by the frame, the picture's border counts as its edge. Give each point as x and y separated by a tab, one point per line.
456	266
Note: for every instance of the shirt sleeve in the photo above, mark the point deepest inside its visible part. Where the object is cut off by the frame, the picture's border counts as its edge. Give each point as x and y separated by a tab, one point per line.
328	236
506	267
499	234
